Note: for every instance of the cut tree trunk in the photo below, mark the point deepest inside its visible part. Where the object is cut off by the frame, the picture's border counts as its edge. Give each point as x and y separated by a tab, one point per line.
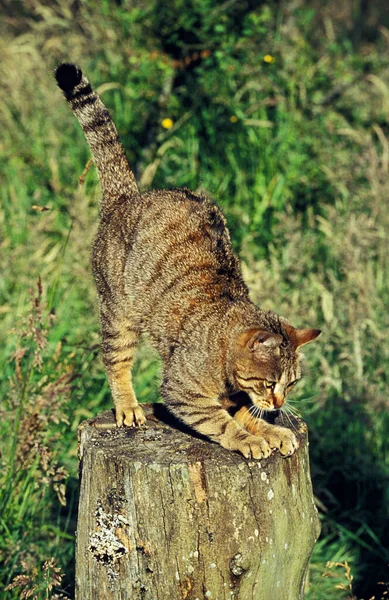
165	515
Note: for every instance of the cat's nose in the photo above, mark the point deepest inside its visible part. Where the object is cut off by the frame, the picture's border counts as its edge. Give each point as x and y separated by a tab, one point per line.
279	399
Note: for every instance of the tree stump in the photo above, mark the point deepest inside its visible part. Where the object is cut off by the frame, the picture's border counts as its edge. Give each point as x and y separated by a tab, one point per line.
167	515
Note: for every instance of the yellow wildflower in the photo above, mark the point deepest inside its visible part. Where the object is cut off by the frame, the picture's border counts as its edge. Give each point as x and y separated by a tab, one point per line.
268	58
167	123
233	119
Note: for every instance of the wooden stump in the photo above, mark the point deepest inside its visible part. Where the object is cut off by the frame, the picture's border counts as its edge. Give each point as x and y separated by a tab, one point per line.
164	515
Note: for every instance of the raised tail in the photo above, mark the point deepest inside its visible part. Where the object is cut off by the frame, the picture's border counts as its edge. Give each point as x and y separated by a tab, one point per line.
115	174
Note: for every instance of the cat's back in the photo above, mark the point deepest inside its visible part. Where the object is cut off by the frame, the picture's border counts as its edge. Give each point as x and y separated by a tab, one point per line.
179	233
181	259
173	221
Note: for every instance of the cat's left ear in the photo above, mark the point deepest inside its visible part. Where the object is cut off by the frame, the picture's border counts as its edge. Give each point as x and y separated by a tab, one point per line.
300	337
256	340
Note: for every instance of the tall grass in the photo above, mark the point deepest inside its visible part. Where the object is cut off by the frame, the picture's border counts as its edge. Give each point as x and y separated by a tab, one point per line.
285	124
336	271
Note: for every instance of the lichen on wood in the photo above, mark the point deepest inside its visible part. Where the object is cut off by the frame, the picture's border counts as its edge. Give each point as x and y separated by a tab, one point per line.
167	515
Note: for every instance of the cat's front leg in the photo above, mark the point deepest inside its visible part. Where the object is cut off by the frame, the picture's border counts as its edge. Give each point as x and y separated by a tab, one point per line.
119	341
127	410
236	438
208	417
278	438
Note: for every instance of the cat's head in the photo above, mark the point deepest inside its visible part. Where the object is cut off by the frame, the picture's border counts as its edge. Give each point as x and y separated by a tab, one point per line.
267	364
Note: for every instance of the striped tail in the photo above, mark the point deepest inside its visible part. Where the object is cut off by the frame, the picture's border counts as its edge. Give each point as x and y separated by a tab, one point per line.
115	173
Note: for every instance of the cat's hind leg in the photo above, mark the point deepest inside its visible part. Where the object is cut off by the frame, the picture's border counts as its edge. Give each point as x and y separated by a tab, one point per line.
119	342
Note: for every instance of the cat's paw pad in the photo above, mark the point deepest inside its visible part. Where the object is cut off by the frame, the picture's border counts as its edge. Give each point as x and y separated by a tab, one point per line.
131	417
254	447
282	439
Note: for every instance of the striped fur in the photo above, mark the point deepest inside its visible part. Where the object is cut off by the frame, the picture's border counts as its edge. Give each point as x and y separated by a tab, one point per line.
164	266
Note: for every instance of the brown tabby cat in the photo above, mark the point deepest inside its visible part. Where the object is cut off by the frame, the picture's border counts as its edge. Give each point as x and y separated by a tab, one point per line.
163	265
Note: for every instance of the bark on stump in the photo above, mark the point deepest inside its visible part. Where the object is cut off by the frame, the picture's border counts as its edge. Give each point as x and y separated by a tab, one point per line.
164	515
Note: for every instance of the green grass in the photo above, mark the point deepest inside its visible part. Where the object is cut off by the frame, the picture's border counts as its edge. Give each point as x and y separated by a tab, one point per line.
302	175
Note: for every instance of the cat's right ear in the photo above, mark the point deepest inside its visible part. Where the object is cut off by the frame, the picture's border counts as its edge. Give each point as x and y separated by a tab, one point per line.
256	340
300	337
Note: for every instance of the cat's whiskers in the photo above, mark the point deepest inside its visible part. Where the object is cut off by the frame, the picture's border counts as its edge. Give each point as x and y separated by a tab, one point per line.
290	404
254	411
293	410
285	414
297	400
253	414
308	399
287	411
248	417
258	411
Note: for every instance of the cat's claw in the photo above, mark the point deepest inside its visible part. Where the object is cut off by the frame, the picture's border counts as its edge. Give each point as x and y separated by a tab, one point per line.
282	439
262	446
130	417
254	447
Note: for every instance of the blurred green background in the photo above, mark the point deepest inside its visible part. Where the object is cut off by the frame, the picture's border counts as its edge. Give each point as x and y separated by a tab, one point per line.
277	110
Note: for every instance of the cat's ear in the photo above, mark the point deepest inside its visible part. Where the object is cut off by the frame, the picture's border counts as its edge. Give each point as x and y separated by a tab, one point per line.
258	339
300	337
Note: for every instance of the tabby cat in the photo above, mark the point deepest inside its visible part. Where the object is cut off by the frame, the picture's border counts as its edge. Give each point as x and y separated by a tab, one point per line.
164	266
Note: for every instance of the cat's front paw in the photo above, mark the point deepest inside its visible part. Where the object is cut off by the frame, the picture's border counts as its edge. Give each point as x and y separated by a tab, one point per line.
282	439
130	416
252	447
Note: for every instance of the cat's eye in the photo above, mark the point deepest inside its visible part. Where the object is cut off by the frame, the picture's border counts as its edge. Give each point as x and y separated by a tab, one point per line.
291	384
269	384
